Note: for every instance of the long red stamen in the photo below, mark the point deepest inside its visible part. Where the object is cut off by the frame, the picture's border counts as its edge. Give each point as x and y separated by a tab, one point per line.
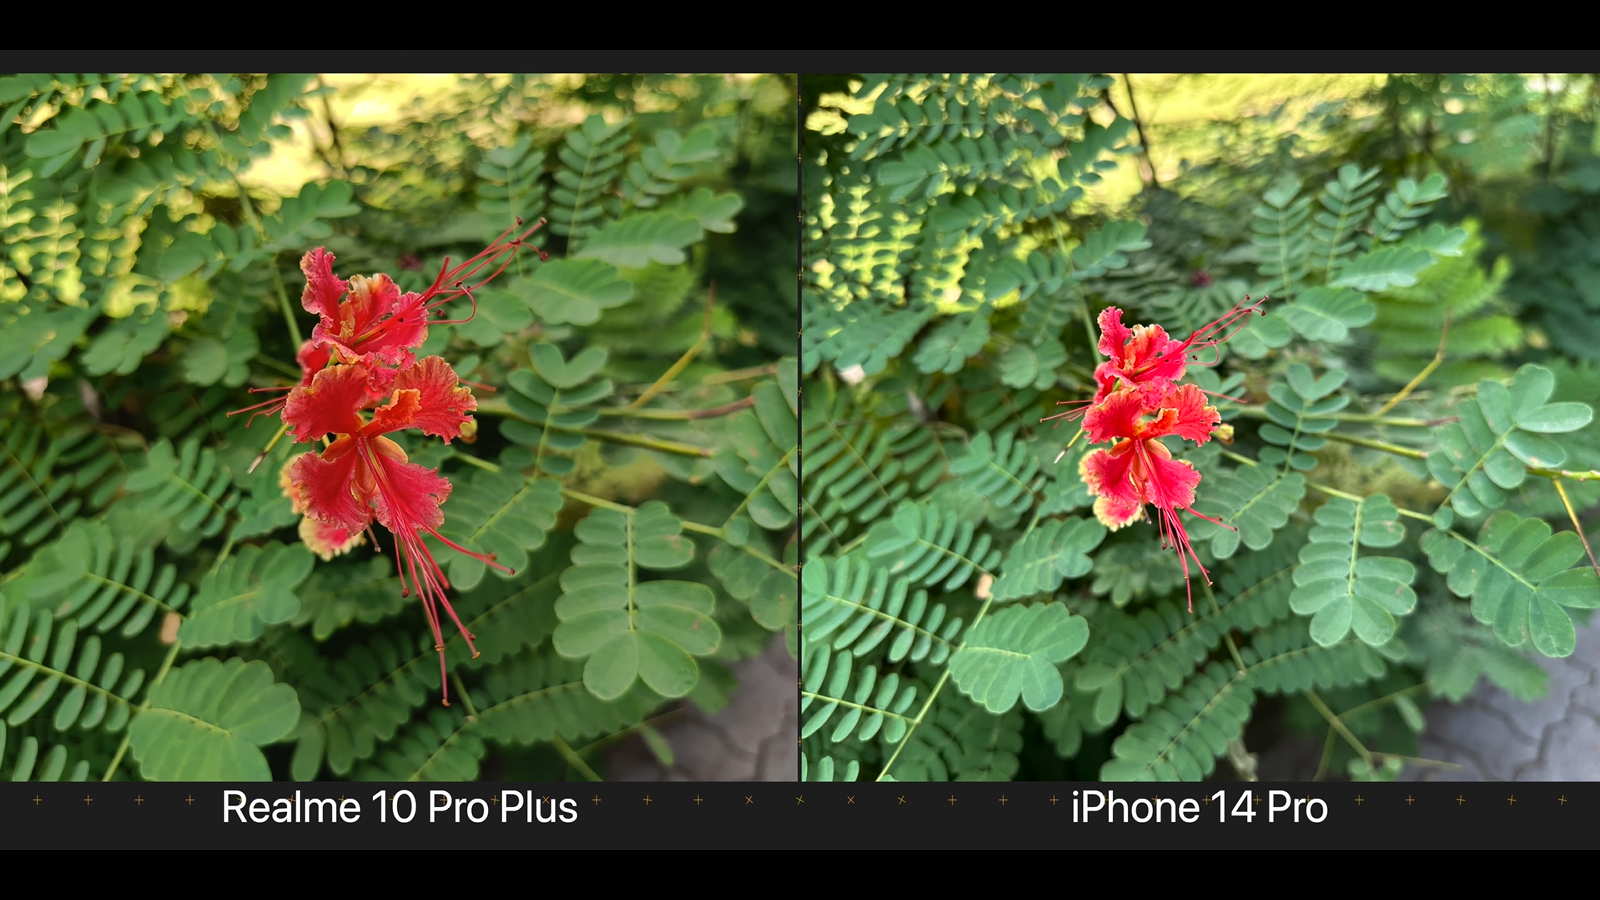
1224	396
430	582
274	401
1237	317
434	298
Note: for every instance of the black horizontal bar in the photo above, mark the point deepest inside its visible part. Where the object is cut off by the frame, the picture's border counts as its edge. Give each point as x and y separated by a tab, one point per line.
707	60
680	816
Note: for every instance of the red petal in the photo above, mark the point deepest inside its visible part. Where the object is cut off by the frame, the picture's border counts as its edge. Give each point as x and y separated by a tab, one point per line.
1195	418
328	541
400	412
323	288
1113	334
1168	483
405	329
1118	416
1110	473
291	489
1116	514
312	359
1153	356
328	405
1105	375
408	495
324	484
442	402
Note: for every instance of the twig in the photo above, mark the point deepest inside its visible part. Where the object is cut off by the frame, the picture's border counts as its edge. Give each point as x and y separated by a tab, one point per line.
1144	141
1576	524
1339	726
573	759
333	130
688	355
1438	357
677	414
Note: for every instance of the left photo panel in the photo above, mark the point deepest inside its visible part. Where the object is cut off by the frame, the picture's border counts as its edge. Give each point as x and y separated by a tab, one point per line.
398	428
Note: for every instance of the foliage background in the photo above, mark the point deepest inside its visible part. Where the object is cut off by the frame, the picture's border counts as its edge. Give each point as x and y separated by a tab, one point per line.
964	617
153	227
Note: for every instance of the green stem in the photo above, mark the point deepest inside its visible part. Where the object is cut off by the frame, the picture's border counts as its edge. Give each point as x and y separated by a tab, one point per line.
475	461
1385	446
597	501
276	366
702	529
934	694
1339	726
634	729
1354	498
1260	412
1227	636
648	443
122	748
1238	458
466	698
677	414
573	759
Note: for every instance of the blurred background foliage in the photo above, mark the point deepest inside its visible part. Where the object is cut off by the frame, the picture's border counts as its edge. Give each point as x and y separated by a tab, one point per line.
153	228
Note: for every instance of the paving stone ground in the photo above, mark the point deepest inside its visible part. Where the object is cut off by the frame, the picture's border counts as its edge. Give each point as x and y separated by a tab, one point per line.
753	738
1494	737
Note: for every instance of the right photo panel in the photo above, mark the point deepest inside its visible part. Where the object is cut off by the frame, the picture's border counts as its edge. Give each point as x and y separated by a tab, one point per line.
1199	428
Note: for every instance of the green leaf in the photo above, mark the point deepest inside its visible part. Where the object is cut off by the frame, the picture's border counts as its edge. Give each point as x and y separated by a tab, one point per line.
1013	653
636	241
1342	590
208	720
575	291
627	629
205	362
548	362
1328	313
1482	455
252	589
1520	579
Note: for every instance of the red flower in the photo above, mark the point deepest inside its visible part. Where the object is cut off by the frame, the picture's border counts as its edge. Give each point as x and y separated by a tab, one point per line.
376	321
1139	469
363	475
376	324
1146	359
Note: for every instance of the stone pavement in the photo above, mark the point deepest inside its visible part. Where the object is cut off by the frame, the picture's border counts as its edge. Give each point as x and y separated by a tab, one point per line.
753	738
1494	737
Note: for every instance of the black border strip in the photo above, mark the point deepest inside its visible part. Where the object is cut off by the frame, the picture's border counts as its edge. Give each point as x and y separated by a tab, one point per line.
757	816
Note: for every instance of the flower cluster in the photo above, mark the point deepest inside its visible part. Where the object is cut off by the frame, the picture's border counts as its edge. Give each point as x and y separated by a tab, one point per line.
1138	401
361	381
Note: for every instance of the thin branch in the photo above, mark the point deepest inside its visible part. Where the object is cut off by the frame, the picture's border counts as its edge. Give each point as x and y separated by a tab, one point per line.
687	357
1438	357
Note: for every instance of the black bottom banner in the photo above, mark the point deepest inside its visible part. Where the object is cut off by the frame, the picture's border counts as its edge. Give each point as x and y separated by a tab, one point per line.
768	816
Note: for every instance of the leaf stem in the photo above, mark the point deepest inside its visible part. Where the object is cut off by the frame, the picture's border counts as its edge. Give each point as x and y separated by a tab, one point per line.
1385	446
1438	357
597	501
617	736
1339	726
688	355
1576	524
1335	492
466	698
634	412
573	759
